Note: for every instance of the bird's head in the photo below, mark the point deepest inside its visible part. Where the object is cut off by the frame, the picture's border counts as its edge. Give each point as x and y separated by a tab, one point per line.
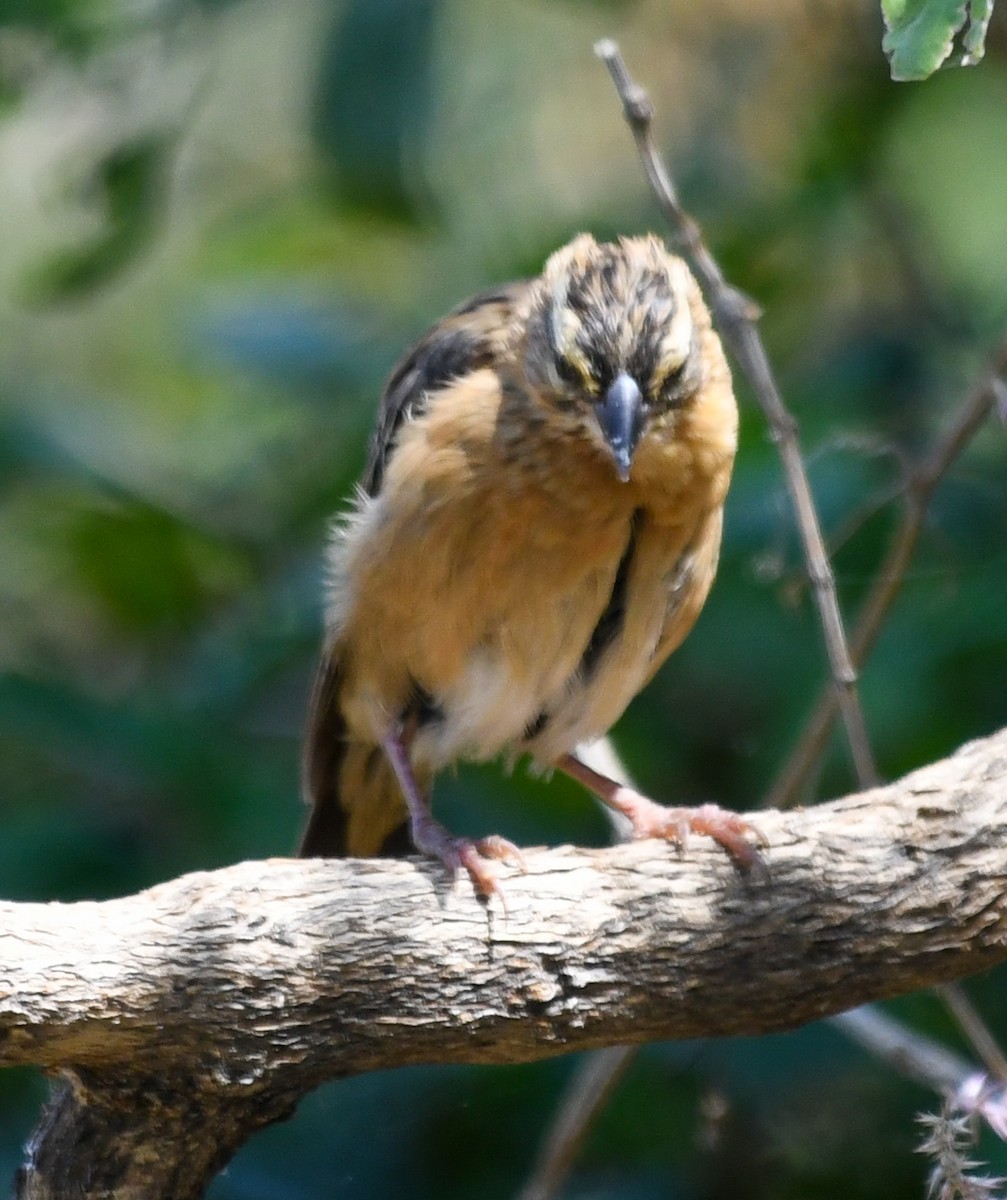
609	339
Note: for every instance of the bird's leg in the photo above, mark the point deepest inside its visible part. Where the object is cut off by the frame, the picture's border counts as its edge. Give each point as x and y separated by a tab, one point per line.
650	820
430	836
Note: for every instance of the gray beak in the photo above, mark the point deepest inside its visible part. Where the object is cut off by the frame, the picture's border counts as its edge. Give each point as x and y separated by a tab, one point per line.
620	415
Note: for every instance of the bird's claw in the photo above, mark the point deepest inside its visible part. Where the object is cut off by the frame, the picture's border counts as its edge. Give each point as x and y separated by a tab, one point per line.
474	856
729	830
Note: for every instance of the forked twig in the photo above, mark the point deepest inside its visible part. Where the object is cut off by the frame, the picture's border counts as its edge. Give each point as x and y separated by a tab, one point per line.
917	493
736	315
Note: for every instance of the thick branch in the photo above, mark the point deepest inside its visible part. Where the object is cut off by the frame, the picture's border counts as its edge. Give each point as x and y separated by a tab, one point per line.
875	894
239	990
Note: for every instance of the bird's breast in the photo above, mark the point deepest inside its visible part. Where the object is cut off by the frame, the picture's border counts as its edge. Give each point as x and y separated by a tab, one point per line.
512	604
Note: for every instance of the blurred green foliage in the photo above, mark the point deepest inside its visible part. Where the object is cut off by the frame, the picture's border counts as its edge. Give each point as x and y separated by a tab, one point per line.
219	223
372	104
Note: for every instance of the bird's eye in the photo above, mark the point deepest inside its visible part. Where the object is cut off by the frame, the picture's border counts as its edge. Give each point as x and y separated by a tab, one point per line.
568	373
667	388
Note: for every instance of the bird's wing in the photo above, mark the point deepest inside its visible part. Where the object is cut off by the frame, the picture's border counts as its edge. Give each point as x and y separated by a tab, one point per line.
354	798
467	339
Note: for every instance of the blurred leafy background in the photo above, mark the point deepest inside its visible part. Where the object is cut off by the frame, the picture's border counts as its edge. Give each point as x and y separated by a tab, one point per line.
219	223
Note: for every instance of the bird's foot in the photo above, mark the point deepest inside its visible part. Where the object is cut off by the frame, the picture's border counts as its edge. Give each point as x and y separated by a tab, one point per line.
429	836
726	828
650	820
473	855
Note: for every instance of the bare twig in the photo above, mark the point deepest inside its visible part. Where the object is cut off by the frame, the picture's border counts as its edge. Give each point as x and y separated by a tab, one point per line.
586	1095
911	1054
918	491
974	1028
736	317
917	1057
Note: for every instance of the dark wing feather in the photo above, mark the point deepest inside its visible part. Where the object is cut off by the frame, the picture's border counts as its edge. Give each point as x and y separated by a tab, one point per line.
324	747
471	337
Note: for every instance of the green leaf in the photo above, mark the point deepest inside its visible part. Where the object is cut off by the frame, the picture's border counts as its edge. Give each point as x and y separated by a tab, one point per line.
129	182
373	101
923	35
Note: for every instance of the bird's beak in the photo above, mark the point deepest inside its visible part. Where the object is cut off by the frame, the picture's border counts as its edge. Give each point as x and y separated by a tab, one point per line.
620	415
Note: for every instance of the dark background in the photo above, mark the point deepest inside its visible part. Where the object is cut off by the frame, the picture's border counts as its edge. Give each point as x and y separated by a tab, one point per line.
219	223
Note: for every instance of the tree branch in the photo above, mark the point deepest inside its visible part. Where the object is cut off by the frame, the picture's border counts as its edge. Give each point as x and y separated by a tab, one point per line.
736	317
921	483
247	987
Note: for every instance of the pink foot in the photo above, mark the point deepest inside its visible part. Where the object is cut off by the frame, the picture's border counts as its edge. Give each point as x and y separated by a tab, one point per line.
650	820
726	828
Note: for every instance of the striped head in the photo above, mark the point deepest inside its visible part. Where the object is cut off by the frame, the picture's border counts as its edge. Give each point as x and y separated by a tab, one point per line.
609	337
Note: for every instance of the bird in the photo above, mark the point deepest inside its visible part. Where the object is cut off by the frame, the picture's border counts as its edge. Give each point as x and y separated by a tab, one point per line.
536	530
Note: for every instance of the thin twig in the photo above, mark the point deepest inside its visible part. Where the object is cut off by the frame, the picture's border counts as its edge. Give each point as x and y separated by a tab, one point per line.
974	1028
911	1054
586	1095
915	1056
736	316
921	483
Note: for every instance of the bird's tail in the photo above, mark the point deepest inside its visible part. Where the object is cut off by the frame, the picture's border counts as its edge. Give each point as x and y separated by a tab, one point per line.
356	805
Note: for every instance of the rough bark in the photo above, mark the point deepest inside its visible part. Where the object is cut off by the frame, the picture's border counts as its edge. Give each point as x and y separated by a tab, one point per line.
188	1016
